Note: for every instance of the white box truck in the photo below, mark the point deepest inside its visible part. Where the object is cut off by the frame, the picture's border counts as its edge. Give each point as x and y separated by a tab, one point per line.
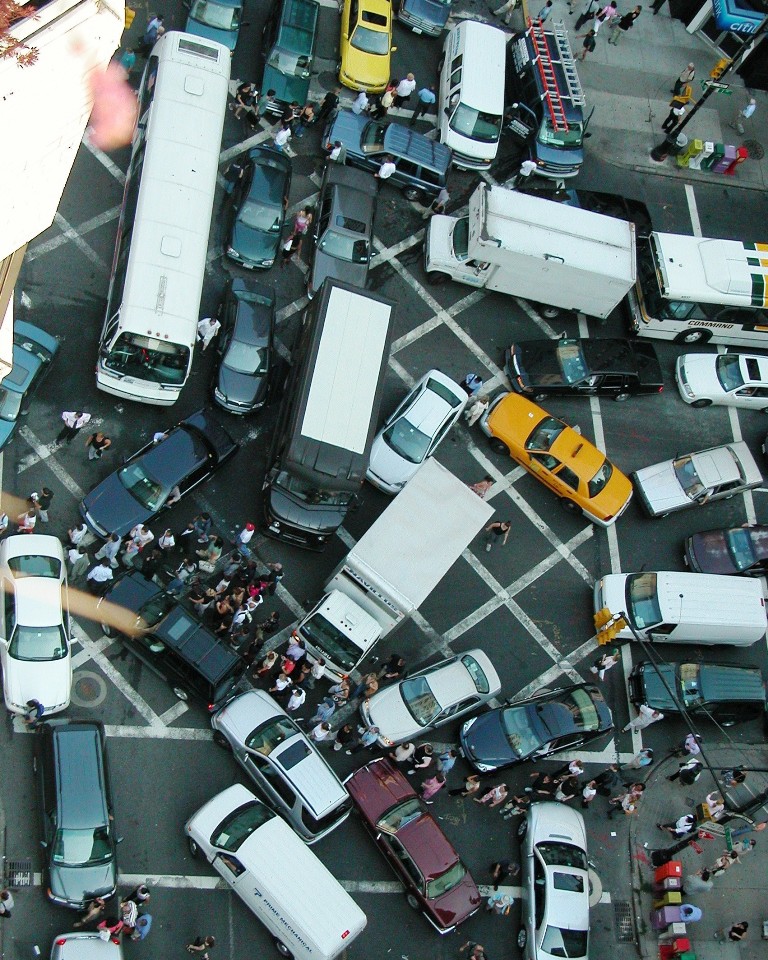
394	567
527	246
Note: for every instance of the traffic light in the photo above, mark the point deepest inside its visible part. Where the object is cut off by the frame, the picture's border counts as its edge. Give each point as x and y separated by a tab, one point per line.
719	68
130	15
608	625
602	617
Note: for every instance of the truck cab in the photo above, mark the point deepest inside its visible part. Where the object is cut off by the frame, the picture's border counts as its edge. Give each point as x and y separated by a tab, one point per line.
340	632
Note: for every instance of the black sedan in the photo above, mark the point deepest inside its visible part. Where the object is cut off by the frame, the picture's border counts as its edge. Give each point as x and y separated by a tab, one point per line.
343	234
245	346
609	204
259	201
590	368
186	456
535	728
737	550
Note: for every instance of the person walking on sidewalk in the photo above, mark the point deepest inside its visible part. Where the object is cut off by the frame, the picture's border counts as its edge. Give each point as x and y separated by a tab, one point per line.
42	503
543	15
505	10
201	945
97	443
497	532
620	25
744	114
644	758
425	98
686	77
588	46
688	773
74	421
404	90
645	717
738	931
681	827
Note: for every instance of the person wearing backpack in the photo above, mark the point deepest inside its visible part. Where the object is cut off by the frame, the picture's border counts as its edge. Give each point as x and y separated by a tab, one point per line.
588	46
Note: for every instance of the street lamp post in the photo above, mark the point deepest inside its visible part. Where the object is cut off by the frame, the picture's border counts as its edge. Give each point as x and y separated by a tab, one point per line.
662	150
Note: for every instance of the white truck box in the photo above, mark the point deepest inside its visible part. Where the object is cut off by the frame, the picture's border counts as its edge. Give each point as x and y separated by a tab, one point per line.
539	249
394	566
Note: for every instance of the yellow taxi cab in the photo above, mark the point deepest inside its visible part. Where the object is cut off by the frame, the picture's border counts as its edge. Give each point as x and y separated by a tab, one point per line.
365	45
559	457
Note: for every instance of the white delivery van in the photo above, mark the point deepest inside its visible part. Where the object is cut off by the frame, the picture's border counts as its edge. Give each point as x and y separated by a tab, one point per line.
526	246
305	909
698	608
471	93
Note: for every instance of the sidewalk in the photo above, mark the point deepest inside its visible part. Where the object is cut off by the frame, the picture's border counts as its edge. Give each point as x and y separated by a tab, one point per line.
629	85
739	893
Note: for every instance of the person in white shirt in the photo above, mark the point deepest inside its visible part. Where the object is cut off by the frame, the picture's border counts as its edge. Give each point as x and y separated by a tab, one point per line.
404	89
338	152
207	329
99	576
167	541
386	169
110	550
78	562
645	717
141	536
73	423
361	103
296	699
77	533
26	521
282	137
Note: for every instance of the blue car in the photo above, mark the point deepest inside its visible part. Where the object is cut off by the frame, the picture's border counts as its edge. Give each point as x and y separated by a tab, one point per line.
217	20
425	16
33	351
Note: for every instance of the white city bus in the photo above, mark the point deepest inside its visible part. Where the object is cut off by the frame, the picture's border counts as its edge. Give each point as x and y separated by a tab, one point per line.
148	339
694	290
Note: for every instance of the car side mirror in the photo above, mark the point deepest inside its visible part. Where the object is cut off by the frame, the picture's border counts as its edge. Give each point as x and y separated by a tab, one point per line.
43	844
119	839
392	49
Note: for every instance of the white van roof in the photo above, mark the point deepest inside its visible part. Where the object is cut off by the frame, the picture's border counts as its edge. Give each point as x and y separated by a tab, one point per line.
484	56
728	601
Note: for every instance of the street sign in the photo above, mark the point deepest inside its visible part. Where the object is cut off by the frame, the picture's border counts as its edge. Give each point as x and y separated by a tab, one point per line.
716	86
728	839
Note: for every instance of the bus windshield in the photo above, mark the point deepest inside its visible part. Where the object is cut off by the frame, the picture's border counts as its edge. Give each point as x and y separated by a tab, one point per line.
144	358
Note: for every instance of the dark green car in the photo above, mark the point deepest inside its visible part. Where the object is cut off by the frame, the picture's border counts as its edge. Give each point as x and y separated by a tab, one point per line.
288	48
258	209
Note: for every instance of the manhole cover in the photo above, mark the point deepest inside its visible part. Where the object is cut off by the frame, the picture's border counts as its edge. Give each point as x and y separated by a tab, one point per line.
754	149
625	927
88	689
18	873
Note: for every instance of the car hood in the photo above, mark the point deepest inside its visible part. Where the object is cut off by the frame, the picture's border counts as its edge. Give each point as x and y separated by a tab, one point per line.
388	465
240	386
430	11
76	884
661	488
326	267
241	716
255	245
348	129
371	70
387	711
113	508
319	518
287	88
709	553
227	38
485	742
458	904
7	429
49	681
654	692
699	372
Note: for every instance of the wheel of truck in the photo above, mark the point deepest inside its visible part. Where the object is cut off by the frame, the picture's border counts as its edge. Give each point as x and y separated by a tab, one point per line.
436	278
703	402
522	938
413	193
221	741
181	694
193	847
621	397
412	902
498	446
282	949
522	828
550	312
694	335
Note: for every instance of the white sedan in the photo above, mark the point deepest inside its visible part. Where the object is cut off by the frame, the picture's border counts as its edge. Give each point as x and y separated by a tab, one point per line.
35	647
555	887
431	697
730	379
693	479
414	431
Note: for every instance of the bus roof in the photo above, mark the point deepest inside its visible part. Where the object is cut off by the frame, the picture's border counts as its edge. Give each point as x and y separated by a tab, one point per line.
726	272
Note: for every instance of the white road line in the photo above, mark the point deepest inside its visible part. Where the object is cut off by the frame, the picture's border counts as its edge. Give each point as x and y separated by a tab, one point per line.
85	248
540	322
693	210
46	453
89	226
174	712
104	160
123	731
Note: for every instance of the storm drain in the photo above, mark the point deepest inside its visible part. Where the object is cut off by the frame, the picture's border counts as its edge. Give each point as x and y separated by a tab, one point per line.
18	873
754	149
625	927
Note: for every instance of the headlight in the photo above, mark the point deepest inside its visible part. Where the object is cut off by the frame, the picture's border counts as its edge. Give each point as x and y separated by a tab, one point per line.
483	767
232	252
400	485
267	263
468	725
218	394
386	742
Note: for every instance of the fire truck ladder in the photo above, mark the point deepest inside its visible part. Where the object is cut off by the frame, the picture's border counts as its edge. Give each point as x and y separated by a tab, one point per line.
553	48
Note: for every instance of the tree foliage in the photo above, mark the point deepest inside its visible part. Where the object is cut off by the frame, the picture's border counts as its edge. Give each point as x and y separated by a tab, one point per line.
10	47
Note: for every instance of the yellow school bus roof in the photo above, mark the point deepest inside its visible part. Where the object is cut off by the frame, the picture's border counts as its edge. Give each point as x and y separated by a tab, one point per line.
727	272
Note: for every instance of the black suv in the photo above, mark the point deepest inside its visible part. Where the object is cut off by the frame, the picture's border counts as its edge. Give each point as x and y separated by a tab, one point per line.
78	827
288	49
172	642
591	368
723	692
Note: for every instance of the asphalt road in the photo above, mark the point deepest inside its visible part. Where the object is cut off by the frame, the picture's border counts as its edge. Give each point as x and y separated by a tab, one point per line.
528	605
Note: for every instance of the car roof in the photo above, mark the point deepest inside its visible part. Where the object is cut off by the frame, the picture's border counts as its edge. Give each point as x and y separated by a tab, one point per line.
252	320
428	410
79	781
754	369
557	716
415	147
211	655
452	682
32	544
717	465
298	20
350	204
269	170
337	173
181	451
38	602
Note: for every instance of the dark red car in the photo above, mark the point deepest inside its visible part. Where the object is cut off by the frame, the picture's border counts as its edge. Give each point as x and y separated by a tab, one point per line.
435	879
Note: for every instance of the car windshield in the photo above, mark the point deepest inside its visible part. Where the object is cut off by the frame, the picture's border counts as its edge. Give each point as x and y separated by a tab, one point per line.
571	359
311	495
78	848
10	404
475	124
728	369
572	137
245	358
145	358
419	700
690	683
400	816
685	471
600	479
582	708
38	643
240	824
453	876
642	600
343	247
545	434
150	493
559	942
411	444
259	216
461	238
331	642
562	855
371	41
740	548
35	565
522	738
476	672
155	609
271	734
217	15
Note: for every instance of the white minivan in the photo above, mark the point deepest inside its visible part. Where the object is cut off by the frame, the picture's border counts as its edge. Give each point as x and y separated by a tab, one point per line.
306	910
471	95
700	608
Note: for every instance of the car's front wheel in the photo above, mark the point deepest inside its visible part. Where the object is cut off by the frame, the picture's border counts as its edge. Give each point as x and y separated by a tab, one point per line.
436	278
413	193
181	694
498	446
621	397
220	740
569	506
412	902
282	949
193	847
522	828
702	403
522	938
